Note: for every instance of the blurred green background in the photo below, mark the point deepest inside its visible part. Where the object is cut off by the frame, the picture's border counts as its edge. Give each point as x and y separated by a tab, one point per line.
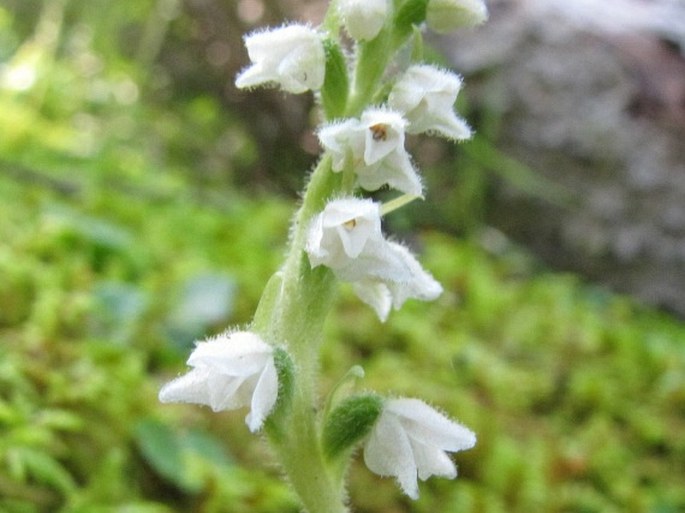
144	202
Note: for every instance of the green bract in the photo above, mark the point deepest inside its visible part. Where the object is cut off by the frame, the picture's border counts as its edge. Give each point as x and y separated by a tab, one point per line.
350	422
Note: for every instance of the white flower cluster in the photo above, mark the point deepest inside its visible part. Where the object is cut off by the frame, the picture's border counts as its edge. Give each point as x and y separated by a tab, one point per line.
347	236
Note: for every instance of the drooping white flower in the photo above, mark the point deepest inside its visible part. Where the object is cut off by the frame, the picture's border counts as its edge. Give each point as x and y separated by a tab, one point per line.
374	146
228	372
426	96
291	56
412	439
346	236
445	16
363	19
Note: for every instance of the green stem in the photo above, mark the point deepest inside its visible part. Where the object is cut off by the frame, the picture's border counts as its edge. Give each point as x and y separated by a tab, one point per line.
298	310
372	59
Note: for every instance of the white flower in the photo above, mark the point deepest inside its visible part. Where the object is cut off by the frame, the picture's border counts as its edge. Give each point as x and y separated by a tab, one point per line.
374	146
292	56
410	438
444	16
230	371
347	237
426	96
363	19
341	232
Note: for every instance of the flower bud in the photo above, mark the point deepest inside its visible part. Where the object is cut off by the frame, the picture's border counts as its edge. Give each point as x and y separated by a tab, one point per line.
444	16
363	19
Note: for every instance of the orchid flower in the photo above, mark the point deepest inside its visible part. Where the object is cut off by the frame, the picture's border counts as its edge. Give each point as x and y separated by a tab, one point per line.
426	96
374	148
230	371
346	236
411	439
291	56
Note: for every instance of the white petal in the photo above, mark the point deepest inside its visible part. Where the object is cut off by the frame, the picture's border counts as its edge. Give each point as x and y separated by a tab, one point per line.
300	71
388	453
224	392
395	170
264	397
202	386
419	284
431	461
253	76
451	127
236	354
426	425
355	221
188	388
338	138
376	295
384	134
376	263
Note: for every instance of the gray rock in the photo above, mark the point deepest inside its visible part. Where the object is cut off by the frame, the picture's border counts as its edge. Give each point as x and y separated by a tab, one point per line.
592	97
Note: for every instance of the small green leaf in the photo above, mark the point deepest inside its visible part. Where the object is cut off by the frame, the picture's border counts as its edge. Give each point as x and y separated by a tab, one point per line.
336	84
349	422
